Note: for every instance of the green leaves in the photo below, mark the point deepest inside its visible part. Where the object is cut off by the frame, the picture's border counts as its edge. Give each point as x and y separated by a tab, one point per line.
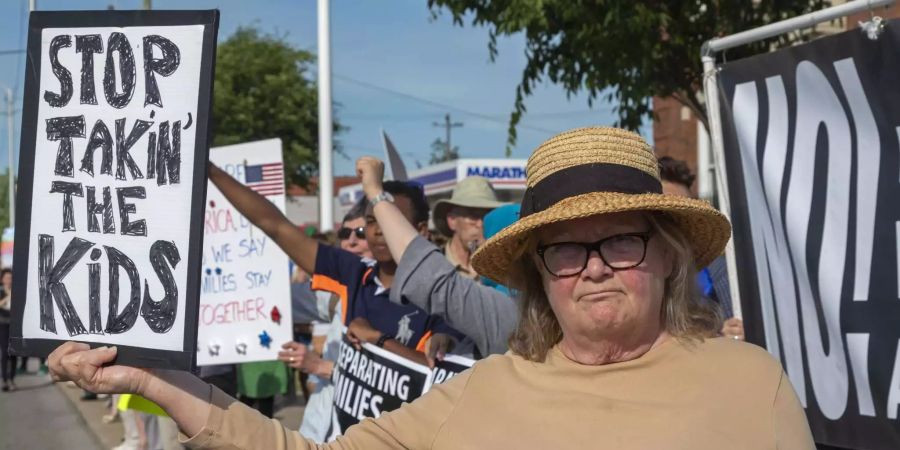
639	49
262	91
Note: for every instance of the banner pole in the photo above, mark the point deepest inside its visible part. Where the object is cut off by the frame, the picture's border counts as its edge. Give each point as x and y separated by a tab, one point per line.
711	92
809	20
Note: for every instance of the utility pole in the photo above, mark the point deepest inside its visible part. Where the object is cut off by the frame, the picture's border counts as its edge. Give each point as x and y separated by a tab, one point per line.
10	124
32	5
326	172
448	125
148	4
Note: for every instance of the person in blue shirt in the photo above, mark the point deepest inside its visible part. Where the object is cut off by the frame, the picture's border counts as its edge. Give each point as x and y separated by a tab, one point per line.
363	285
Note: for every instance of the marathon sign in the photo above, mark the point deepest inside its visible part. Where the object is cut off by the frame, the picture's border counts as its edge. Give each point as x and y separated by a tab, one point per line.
112	180
812	134
502	173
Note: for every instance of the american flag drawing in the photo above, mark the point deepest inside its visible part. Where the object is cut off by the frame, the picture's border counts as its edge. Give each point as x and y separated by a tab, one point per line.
266	179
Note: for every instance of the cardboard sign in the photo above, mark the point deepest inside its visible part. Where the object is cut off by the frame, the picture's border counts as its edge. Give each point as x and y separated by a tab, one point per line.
370	381
245	294
112	183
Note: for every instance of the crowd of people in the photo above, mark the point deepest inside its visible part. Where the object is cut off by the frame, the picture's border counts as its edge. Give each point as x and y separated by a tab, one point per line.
598	309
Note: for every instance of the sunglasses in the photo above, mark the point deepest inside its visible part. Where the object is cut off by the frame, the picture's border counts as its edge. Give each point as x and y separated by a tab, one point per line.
344	233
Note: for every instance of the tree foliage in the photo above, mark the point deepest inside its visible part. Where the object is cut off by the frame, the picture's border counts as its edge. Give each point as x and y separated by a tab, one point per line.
4	200
440	153
636	48
262	90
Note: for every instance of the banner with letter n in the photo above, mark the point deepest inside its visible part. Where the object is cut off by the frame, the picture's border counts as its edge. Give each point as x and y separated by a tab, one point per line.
112	181
811	142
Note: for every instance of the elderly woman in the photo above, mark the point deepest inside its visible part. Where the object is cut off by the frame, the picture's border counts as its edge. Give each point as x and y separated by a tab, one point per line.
609	350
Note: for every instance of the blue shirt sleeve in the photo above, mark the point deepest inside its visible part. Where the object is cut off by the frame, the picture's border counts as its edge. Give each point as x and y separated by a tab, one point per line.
338	264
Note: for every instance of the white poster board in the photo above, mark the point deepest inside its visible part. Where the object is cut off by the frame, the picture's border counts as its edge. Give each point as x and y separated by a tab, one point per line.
245	299
114	136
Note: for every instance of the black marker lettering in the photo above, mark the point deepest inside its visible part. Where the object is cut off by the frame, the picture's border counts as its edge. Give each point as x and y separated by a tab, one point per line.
160	316
50	284
119	44
151	156
168	158
105	208
165	66
63	129
123	146
120	323
100	138
62	74
136	228
94	299
68	190
87	45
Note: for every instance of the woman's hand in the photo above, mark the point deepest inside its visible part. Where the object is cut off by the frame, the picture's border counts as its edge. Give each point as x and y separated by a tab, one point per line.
360	330
294	354
370	171
733	328
74	361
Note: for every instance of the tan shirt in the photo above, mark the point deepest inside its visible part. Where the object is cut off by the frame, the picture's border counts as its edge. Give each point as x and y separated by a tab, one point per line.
719	394
460	267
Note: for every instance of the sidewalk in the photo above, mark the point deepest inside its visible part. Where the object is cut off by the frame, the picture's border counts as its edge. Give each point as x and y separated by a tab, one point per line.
38	416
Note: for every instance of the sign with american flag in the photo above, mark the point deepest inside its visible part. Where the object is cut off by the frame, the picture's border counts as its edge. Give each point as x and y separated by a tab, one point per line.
245	292
267	179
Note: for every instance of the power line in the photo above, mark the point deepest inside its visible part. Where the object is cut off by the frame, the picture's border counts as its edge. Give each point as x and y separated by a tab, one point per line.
436	104
12	52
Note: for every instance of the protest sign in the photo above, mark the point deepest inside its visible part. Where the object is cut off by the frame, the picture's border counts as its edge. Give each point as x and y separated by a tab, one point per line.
811	140
245	298
112	180
446	369
370	381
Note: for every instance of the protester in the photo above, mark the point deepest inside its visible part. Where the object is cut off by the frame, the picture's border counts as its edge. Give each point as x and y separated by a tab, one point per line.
319	406
362	285
495	221
7	360
461	219
259	383
609	350
428	280
676	180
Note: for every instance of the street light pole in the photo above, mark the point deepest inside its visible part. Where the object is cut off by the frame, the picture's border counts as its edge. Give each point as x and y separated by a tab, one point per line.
10	123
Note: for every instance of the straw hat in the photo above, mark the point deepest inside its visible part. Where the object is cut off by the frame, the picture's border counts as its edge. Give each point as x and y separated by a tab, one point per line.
591	171
471	192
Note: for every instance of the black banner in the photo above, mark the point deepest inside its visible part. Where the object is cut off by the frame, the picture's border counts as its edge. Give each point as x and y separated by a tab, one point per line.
370	381
812	154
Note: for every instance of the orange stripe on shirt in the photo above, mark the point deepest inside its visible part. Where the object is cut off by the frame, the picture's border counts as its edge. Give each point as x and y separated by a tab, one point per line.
323	283
420	347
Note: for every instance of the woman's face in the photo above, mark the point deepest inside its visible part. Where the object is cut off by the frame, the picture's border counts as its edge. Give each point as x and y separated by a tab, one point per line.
6	280
601	303
353	244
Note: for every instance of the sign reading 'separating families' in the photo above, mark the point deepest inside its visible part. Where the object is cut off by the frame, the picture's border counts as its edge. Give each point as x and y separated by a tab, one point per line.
112	181
811	135
370	381
245	294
